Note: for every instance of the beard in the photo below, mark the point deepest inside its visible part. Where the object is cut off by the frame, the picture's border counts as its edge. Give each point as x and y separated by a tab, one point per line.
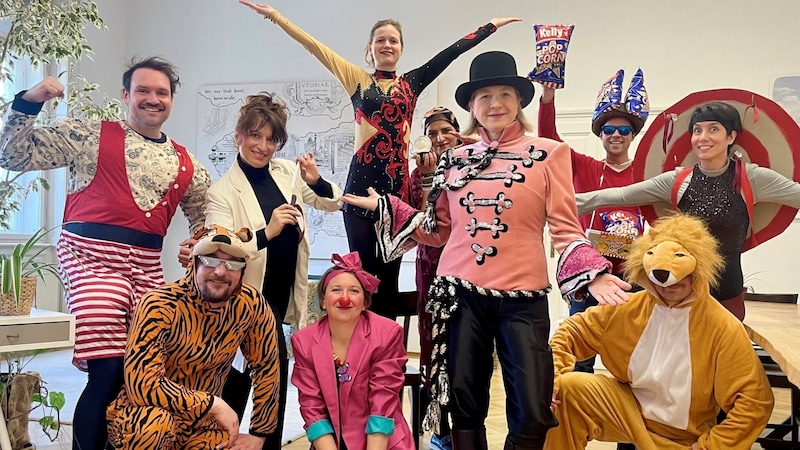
213	291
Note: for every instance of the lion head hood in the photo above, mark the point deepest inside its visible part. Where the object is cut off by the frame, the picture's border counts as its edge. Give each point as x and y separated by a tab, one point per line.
676	246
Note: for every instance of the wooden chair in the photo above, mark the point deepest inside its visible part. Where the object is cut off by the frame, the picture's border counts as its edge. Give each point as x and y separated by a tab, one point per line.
778	432
407	308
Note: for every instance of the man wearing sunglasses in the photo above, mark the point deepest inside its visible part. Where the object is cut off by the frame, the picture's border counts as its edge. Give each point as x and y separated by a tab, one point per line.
616	123
180	349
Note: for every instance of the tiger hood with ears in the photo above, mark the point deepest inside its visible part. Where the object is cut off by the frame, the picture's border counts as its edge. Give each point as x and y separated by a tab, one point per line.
240	244
676	246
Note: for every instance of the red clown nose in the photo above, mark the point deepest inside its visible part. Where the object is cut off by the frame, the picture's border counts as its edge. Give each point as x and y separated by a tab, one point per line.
344	302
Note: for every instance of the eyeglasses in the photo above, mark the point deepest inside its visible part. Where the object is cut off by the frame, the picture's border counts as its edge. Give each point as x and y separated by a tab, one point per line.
624	130
341	372
212	262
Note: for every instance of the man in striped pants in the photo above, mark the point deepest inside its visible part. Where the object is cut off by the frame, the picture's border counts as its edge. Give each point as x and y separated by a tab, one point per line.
126	180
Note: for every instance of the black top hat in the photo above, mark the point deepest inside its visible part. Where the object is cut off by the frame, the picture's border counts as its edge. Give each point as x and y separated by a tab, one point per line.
493	69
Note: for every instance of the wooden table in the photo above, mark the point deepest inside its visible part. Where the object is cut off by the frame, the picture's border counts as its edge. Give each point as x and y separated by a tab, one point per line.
776	328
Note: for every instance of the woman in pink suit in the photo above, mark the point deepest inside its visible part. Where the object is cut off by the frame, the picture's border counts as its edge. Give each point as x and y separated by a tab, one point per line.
349	367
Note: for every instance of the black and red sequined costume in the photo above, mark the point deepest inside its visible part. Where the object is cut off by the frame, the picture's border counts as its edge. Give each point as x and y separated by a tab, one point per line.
383	104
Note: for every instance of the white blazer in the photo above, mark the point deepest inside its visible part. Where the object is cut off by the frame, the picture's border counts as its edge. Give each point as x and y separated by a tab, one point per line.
231	203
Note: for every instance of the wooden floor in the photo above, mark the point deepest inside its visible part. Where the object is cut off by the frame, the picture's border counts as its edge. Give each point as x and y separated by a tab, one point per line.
496	421
495	424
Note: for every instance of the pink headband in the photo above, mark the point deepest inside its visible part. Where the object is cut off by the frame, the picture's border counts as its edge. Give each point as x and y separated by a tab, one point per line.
351	262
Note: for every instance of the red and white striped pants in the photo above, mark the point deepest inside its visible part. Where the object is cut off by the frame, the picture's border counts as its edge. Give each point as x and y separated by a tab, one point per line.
105	281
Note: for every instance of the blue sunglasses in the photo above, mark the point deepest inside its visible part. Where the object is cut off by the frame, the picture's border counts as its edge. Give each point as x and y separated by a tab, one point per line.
624	130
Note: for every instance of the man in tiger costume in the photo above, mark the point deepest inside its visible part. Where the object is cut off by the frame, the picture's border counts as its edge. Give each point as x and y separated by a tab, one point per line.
180	348
675	355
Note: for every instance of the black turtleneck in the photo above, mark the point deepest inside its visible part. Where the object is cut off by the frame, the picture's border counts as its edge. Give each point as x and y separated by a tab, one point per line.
283	248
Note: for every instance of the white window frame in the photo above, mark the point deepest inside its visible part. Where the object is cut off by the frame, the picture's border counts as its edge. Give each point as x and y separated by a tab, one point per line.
45	204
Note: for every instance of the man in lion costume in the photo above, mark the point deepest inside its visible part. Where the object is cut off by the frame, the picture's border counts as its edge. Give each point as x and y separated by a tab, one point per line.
675	355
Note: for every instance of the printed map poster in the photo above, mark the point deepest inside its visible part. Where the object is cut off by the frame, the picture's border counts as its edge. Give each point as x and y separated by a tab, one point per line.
320	122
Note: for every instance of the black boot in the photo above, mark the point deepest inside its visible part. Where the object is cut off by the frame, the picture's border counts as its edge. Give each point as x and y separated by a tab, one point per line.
469	439
532	445
622	446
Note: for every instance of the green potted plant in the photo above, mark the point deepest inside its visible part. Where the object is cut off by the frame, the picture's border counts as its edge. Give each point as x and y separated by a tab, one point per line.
24	392
750	293
749	279
19	272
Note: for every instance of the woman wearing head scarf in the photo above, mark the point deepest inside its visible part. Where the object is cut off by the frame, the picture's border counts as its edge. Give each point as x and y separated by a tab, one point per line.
441	127
349	366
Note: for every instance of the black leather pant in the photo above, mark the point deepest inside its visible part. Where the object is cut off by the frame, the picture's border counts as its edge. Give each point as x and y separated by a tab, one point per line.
520	328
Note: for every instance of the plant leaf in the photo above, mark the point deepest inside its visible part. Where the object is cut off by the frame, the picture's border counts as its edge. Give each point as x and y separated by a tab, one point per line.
5	263
57	400
47	422
16	272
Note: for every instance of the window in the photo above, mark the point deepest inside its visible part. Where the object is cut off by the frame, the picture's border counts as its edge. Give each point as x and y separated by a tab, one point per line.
30	217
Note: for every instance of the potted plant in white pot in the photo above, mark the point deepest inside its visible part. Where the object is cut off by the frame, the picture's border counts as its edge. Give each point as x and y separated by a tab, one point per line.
46	33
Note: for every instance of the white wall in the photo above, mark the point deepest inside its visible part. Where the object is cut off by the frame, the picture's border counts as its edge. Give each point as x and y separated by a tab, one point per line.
682	46
110	55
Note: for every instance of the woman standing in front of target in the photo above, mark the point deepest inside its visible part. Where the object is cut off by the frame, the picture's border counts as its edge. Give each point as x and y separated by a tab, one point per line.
721	189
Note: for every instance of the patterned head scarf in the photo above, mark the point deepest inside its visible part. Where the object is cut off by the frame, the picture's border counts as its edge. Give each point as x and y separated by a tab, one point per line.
439	113
351	263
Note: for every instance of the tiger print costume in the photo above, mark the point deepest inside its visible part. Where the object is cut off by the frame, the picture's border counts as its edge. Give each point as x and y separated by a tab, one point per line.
179	352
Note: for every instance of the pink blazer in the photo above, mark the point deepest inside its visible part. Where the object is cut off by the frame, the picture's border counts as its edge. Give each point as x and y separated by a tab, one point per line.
376	357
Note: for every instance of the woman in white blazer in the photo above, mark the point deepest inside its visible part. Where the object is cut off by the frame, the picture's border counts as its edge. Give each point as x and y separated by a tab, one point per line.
267	195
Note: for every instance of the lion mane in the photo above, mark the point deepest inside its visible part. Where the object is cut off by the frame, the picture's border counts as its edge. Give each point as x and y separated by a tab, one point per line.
692	234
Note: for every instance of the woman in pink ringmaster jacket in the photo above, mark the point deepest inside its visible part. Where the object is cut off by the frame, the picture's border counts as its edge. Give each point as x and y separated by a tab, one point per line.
348	366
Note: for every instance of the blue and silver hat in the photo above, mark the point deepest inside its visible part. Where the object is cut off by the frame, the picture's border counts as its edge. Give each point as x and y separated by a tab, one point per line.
635	106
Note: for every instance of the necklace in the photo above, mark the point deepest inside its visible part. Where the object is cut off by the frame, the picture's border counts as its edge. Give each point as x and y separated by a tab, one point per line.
341	369
337	360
